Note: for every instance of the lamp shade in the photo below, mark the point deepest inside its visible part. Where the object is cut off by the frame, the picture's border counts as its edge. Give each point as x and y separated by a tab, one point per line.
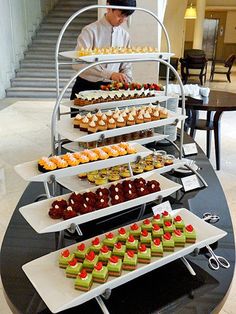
190	13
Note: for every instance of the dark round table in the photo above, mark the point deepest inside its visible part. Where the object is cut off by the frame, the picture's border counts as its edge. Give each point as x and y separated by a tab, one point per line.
169	289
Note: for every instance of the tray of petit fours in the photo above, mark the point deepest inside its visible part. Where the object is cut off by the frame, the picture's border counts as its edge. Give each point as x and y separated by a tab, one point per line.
83	161
58	213
85	270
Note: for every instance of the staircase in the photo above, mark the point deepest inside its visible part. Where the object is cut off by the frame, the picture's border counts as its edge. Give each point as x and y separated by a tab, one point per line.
36	77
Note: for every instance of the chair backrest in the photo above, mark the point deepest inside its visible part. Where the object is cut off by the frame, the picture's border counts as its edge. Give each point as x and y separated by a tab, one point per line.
195	58
193	52
229	61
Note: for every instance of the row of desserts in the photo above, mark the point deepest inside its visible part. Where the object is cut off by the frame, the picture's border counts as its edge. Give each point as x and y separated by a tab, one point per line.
74	159
117	118
114	50
114	253
78	204
132	86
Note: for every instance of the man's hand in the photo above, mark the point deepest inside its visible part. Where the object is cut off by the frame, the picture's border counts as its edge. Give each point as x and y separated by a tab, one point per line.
119	77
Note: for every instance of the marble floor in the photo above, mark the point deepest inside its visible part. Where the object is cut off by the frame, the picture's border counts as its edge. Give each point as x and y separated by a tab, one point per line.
25	135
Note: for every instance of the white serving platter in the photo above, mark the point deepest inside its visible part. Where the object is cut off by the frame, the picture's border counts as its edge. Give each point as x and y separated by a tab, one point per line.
45	274
29	170
74	147
66	129
73	183
123	56
36	214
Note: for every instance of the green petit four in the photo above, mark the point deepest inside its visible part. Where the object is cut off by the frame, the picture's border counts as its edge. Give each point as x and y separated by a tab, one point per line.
166	216
135	230
157	231
73	268
122	235
168	242
64	258
110	239
179	238
131	243
90	261
146	237
156	247
144	254
119	249
114	266
83	281
190	234
104	254
179	223
147	225
168	226
130	260
157	219
80	252
96	245
100	273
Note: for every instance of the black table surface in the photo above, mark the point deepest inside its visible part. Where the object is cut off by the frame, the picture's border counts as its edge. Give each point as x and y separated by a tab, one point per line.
169	289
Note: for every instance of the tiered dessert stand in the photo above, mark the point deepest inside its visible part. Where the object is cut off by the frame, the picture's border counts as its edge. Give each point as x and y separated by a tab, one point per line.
62	130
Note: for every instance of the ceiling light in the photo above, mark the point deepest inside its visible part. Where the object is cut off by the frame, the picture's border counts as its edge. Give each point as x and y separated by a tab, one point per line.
190	13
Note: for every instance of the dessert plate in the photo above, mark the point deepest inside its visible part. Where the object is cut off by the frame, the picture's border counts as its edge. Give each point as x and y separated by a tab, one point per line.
66	129
29	170
37	216
45	274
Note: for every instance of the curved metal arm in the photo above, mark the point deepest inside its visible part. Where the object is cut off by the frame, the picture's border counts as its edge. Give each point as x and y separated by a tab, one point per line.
59	98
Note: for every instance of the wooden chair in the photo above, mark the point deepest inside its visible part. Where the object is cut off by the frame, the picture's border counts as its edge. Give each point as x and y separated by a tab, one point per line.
224	68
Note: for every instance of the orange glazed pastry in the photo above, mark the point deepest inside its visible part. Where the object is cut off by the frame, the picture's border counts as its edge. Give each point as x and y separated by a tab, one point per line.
92	127
102	126
102	155
43	160
61	163
67	156
72	161
83	158
130	149
77	121
120	150
91	155
130	120
120	122
49	166
84	124
163	113
111	124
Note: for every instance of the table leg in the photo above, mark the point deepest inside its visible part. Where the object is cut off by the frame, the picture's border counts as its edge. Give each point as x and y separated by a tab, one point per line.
216	123
209	114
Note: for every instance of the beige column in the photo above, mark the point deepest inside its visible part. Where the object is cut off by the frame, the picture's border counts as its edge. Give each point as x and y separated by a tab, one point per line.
198	28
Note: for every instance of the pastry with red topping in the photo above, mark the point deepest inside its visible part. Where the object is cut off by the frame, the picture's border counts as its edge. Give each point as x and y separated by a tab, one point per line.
156	247
146	225
100	273
73	268
179	238
168	226
179	223
153	186
190	234
157	231
130	260
114	266
131	243
119	249
69	213
168	242
135	230
144	254
81	251
122	235
104	254
166	216
90	261
83	281
64	258
146	237
96	245
157	219
110	239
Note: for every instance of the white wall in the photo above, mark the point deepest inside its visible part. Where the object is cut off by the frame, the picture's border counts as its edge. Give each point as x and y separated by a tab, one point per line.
230	28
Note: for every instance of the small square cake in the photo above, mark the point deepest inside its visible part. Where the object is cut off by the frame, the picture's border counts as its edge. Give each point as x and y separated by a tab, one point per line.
96	245
73	268
179	238
135	230
104	254
168	226
83	281
122	235
100	273
64	258
179	223
130	260
190	234
147	225
90	261
119	249
146	237
168	242
114	266
144	254
157	219
110	239
156	247
132	243
166	216
81	251
157	231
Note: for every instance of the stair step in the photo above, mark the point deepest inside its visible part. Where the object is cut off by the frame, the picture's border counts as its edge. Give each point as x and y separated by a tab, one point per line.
37	82
41	64
53	41
31	92
78	21
58	27
81	3
56	32
50	48
67	12
50	73
29	56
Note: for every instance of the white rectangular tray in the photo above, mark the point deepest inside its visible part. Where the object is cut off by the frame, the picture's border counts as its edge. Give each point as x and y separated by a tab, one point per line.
73	183
66	129
45	274
123	56
29	170
37	216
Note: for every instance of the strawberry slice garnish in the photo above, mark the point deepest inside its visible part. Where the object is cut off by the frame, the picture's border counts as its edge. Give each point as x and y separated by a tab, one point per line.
165	213
189	228
65	253
73	262
168	223
118	245
83	274
178	218
114	259
144	233
131	238
142	248
96	241
104	249
130	253
146	222
134	227
110	235
98	266
122	231
90	256
178	233
157	216
155	227
81	247
157	241
167	236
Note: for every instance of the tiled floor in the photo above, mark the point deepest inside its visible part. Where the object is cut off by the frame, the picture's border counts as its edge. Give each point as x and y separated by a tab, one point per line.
25	135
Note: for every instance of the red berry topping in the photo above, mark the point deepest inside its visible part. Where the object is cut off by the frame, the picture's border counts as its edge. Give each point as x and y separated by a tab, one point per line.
155	227
90	256
178	218
130	253
83	274
144	233
104	249
168	223
189	228
157	216
73	262
122	231
110	235
167	236
142	248
65	253
157	241
131	238
98	266
96	241
118	245
81	247
178	233
114	259
165	213
146	222
134	227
